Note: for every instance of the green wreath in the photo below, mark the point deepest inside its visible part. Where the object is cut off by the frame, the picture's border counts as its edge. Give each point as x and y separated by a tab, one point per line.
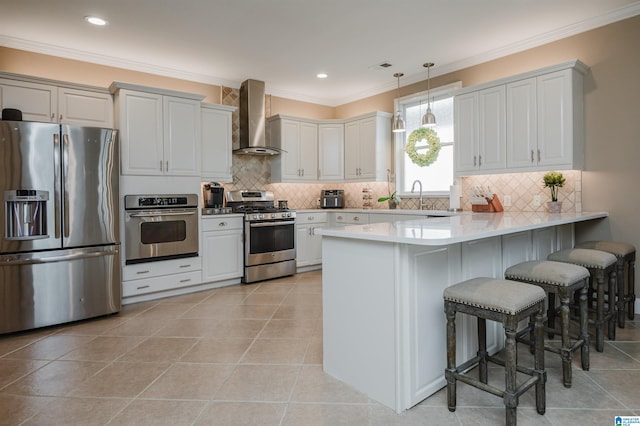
433	149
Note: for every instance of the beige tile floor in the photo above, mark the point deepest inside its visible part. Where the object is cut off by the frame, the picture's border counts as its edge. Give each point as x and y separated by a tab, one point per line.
252	355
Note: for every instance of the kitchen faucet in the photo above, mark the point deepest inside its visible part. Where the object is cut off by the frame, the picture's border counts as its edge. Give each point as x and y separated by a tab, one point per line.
413	186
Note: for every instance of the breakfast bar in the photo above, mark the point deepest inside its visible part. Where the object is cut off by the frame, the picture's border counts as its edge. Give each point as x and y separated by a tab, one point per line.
384	326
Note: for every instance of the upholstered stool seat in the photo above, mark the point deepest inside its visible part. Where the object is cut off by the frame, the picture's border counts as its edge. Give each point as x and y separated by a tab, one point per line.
626	255
601	265
562	279
507	302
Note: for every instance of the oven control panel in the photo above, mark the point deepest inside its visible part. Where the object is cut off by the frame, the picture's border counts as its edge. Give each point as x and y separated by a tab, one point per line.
159	201
271	216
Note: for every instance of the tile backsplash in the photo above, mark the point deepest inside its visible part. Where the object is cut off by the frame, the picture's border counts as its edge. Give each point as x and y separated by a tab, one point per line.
254	172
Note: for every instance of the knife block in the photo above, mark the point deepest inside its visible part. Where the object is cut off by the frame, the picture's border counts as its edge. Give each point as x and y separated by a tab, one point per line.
492	206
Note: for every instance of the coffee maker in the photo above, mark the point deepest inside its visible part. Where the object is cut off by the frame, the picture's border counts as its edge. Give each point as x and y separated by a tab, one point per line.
213	195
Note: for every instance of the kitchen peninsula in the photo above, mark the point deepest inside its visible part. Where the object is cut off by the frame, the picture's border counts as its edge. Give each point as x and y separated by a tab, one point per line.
384	326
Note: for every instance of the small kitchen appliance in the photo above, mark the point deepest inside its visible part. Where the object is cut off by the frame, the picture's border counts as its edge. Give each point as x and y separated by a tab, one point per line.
332	198
213	195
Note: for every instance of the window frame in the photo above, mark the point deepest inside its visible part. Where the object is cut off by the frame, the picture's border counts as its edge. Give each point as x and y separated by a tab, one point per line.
435	94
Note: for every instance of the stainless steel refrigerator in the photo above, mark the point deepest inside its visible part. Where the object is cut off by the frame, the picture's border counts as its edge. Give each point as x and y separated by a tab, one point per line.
60	240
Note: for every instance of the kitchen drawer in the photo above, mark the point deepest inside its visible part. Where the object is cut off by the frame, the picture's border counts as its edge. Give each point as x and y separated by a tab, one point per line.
352	218
167	282
319	217
157	269
221	223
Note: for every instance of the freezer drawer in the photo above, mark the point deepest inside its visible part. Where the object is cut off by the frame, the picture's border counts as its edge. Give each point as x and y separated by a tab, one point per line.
42	289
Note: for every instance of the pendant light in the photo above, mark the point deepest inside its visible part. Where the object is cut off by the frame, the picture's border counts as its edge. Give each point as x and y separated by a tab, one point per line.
398	122
428	119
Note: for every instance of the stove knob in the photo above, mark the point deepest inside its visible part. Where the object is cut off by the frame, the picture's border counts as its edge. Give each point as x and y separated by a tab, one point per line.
260	216
273	215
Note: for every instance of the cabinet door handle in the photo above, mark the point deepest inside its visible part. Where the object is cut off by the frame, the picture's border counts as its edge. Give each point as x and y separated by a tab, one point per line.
538	155
302	172
60	117
167	166
474	161
532	156
160	165
479	160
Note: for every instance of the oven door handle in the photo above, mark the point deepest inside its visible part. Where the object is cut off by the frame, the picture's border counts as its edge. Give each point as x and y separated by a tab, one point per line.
158	214
272	223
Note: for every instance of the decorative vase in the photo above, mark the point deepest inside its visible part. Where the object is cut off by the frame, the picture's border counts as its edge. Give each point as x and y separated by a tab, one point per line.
554	206
393	204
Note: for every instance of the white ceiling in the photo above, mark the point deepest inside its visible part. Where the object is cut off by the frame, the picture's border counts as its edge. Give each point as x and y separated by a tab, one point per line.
287	42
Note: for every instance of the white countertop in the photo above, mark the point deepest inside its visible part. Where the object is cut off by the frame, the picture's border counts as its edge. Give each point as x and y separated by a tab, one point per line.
436	231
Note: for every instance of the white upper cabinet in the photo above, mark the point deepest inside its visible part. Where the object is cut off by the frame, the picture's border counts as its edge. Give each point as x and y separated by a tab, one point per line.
159	133
84	108
299	141
51	103
216	136
480	130
367	147
533	121
545	121
331	152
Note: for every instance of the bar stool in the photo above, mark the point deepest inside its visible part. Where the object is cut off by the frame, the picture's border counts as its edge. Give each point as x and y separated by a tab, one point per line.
563	279
507	302
626	255
600	264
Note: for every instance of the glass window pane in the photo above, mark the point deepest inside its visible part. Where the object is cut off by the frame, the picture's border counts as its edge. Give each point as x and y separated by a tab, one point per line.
438	175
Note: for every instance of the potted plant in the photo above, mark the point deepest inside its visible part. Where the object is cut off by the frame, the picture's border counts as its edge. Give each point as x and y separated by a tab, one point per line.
392	198
553	181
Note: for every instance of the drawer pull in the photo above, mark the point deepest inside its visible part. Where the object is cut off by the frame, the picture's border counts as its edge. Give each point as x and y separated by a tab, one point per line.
222	224
185	280
142	287
185	266
142	272
310	218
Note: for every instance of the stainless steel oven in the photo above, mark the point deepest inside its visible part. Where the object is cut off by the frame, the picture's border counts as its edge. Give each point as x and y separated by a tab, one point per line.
160	227
269	235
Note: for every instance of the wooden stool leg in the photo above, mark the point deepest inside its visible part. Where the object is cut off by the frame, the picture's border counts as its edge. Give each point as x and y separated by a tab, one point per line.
620	300
631	284
584	326
565	347
599	322
551	313
451	357
482	350
611	309
541	398
510	397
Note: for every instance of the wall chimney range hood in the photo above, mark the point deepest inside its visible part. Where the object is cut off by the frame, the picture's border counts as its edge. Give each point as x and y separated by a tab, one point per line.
252	120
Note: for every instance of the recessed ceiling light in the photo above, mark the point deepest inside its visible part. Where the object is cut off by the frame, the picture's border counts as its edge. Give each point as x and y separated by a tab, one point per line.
94	20
322	75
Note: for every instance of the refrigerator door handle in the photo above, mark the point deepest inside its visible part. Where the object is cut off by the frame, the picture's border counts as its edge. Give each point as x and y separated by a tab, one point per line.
56	175
65	162
76	255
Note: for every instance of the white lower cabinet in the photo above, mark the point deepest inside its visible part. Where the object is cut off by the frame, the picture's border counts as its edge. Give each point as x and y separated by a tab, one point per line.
308	242
222	248
151	277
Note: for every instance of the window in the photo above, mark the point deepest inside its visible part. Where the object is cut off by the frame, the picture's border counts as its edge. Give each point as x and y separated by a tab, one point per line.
438	176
